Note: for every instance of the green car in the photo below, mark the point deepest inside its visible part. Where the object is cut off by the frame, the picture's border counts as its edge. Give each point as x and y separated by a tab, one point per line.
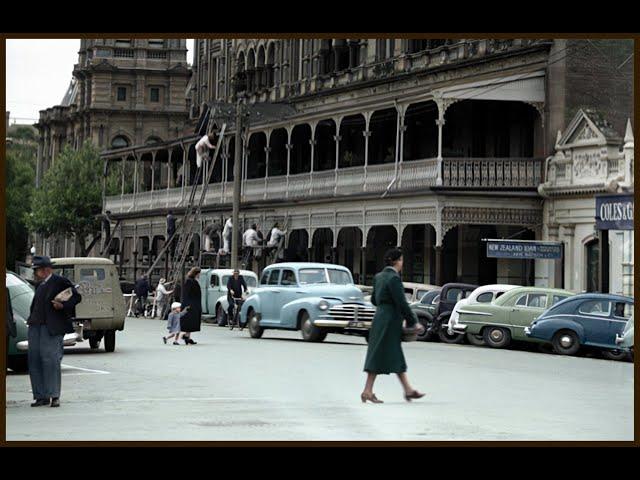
504	319
20	294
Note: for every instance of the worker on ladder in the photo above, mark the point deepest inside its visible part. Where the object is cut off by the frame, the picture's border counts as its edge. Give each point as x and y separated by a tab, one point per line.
250	239
276	237
227	231
203	147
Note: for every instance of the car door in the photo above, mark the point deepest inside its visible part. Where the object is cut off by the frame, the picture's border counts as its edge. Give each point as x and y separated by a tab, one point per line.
271	298
621	314
595	315
213	292
289	291
527	307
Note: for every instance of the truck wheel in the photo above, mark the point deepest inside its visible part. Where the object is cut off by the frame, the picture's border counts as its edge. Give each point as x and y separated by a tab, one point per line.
311	333
109	340
477	340
255	330
18	363
496	337
94	342
566	342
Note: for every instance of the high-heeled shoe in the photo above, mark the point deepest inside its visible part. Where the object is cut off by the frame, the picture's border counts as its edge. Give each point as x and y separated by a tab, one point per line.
415	394
372	398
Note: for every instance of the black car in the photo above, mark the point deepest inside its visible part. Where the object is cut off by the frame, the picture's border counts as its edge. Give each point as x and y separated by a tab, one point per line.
436	315
424	310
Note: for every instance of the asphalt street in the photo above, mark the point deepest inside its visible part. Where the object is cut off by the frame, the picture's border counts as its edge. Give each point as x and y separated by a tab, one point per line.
231	387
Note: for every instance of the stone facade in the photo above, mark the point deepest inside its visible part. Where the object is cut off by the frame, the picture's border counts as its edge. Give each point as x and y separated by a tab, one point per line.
123	92
431	145
591	158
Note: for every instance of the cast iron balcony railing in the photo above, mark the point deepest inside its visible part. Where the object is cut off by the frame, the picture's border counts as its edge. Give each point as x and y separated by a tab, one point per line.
412	176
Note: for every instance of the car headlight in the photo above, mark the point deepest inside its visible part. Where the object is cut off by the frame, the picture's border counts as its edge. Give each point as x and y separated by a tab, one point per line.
323	305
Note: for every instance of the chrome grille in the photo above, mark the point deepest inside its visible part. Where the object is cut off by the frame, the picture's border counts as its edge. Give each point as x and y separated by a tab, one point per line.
349	312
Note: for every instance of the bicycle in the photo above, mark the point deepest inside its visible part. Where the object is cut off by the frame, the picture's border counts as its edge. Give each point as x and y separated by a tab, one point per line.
236	314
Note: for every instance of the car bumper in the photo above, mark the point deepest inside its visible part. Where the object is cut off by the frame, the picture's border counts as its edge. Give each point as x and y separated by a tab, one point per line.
527	331
619	339
350	324
457	328
69	340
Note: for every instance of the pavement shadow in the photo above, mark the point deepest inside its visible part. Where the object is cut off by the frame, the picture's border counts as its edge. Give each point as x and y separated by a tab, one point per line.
299	340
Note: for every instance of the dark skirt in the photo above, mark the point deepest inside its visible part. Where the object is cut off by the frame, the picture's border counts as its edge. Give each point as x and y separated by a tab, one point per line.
191	297
384	353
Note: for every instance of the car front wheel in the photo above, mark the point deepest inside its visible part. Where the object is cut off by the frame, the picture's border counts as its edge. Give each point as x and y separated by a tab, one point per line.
311	333
566	342
255	330
615	354
18	363
496	337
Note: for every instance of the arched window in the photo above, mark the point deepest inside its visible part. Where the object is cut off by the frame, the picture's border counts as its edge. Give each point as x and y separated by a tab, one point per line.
153	140
119	141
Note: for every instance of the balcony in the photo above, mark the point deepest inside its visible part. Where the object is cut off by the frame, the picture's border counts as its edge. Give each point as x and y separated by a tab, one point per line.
413	176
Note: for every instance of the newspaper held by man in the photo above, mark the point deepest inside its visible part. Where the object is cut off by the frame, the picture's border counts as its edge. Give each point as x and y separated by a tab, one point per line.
64	295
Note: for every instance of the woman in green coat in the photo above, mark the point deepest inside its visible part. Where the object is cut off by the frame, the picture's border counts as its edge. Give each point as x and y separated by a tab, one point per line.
384	354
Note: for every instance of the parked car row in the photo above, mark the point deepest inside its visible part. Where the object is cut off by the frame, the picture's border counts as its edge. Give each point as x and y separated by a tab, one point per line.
318	299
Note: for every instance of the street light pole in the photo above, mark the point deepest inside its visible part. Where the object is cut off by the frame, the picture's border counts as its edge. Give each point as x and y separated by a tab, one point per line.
237	182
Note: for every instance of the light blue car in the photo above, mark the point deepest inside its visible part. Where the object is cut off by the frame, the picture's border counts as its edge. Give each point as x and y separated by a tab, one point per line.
315	298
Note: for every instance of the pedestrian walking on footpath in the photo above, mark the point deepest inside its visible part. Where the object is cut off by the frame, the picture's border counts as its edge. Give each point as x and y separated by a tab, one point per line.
191	298
173	323
384	352
52	308
162	297
142	289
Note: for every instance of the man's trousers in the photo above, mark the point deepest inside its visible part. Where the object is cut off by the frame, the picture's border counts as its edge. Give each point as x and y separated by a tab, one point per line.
45	356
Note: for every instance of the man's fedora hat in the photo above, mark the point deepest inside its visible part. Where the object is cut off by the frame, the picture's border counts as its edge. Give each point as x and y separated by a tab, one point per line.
41	262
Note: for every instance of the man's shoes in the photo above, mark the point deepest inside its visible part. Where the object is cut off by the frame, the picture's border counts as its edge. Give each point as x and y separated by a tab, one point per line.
55	402
40	402
164	339
176	343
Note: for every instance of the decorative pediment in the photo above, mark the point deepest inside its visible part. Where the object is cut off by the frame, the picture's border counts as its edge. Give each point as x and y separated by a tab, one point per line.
588	128
179	68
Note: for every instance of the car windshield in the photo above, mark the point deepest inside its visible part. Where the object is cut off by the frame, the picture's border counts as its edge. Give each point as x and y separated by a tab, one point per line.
250	281
312	275
429	297
339	277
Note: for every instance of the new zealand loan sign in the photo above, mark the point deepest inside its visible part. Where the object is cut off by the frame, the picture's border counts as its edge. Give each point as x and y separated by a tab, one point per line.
614	212
524	249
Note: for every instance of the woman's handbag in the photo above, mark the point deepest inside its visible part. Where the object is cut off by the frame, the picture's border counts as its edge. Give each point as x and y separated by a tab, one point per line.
409	334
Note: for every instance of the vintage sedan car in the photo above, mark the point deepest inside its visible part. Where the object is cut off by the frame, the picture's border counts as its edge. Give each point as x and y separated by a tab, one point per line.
436	324
213	285
506	318
589	319
484	294
315	298
20	295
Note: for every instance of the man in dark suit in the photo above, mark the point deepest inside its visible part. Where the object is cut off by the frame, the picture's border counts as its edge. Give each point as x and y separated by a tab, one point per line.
141	290
48	321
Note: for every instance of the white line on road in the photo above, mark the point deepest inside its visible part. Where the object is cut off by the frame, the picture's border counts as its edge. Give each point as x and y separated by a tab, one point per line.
96	372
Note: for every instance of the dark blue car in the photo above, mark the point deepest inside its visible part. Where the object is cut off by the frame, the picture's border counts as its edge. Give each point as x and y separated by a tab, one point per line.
588	319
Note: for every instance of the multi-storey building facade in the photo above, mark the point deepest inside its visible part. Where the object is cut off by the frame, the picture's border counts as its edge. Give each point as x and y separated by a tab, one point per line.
124	92
432	145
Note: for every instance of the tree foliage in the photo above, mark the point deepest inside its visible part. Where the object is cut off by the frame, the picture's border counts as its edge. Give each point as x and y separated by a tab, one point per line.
70	198
20	182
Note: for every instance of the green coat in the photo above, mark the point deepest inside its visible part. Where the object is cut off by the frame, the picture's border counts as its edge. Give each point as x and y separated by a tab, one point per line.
384	354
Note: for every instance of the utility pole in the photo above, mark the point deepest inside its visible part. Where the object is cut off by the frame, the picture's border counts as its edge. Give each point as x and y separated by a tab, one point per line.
237	181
